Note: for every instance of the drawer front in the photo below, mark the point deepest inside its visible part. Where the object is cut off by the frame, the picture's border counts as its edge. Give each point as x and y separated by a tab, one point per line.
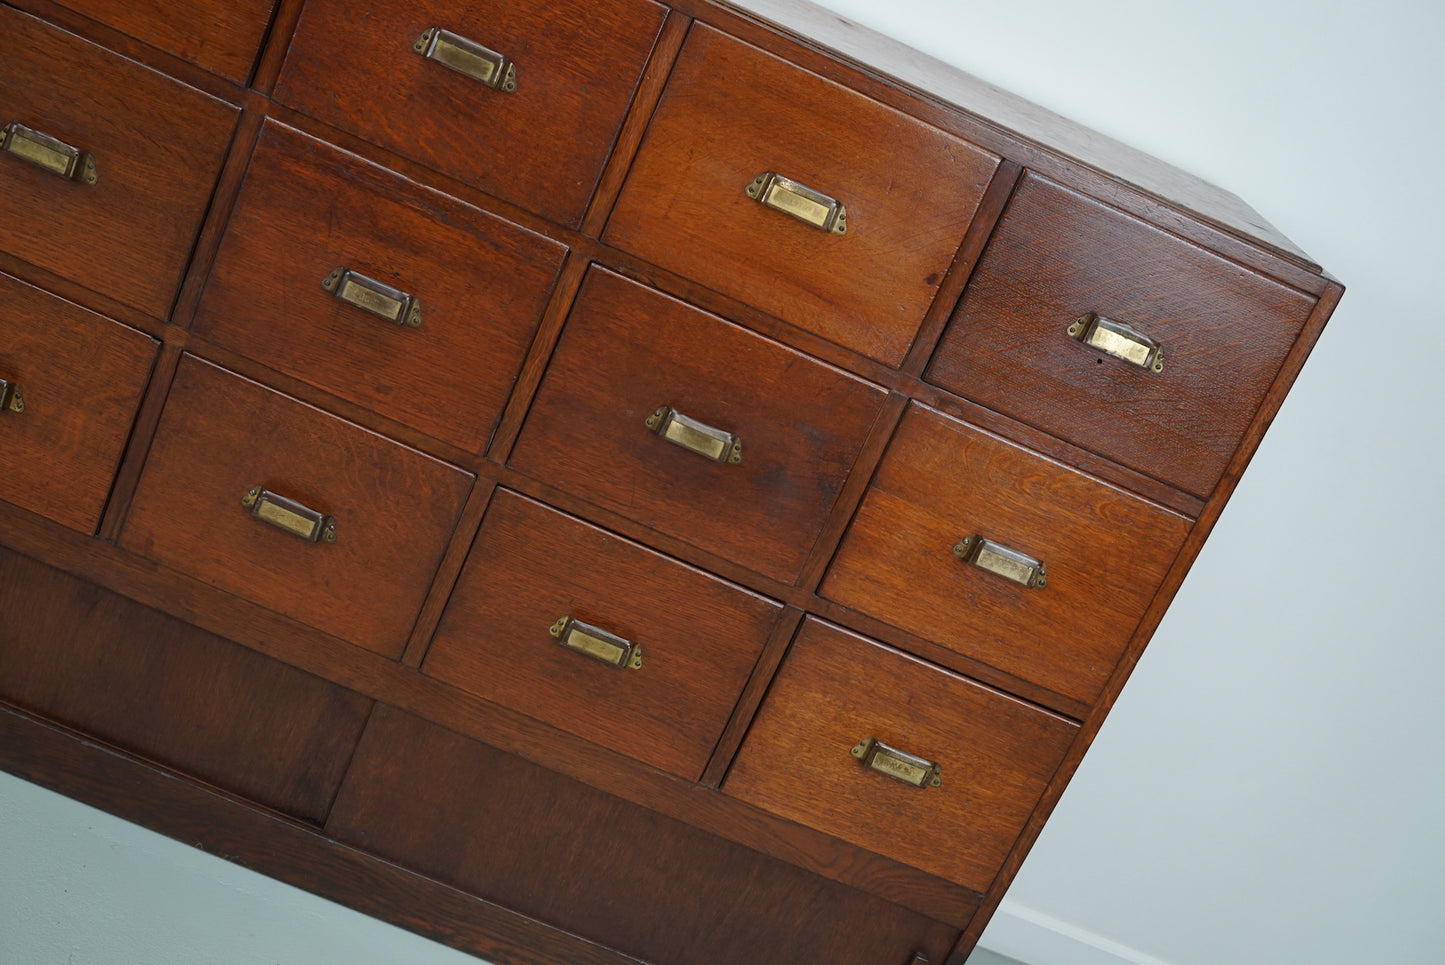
732	112
73	381
541	146
1058	256
156	145
835	691
223	36
1104	554
688	640
626	353
393	508
480	285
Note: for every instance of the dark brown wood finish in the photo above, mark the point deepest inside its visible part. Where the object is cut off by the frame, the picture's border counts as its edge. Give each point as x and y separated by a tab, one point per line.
394	508
158	147
481	283
565	854
542	146
626	352
80	377
732	112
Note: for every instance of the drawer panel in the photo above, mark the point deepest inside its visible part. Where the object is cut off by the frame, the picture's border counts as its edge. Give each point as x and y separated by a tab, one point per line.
393	508
157	147
732	112
481	285
836	690
541	146
77	380
941	481
627	351
531	566
1057	256
223	36
162	689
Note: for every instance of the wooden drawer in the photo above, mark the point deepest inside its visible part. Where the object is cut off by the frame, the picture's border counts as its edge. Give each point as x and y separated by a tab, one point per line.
732	112
157	147
837	690
76	380
1057	256
162	689
626	352
393	508
223	36
942	481
481	284
541	146
532	566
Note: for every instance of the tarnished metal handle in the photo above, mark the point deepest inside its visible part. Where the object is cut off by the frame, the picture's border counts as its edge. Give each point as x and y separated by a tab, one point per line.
50	153
800	201
376	297
1002	561
699	437
899	765
597	643
10	398
288	514
1119	340
467	57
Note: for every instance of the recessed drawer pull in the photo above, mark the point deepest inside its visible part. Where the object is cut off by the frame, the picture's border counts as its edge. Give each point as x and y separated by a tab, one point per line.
899	765
10	398
50	153
597	643
1002	561
800	201
290	515
1119	340
694	436
481	64
373	296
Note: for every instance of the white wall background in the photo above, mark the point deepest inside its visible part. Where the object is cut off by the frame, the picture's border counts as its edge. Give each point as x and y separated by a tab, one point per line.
1270	787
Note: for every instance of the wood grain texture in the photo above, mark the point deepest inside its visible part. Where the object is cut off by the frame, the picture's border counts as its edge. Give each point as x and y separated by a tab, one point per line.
395	508
618	874
81	376
1057	255
531	566
223	36
306	209
542	147
732	112
836	689
943	480
158	147
626	351
162	689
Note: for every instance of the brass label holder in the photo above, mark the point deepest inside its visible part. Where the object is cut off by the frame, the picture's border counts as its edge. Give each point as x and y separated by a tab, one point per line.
694	436
1118	340
11	400
597	643
289	515
50	153
899	765
373	296
799	201
469	58
1002	561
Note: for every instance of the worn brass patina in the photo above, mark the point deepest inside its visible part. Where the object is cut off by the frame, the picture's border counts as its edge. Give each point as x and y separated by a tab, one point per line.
481	64
800	201
1119	340
1002	561
899	765
289	515
597	643
47	152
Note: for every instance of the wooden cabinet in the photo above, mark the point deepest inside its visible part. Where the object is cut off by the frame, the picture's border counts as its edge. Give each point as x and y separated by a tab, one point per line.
596	483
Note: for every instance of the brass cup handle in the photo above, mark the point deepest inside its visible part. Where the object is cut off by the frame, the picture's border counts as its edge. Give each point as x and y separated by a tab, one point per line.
289	515
50	153
1002	561
718	445
800	201
370	295
11	399
1118	340
899	765
469	58
597	643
